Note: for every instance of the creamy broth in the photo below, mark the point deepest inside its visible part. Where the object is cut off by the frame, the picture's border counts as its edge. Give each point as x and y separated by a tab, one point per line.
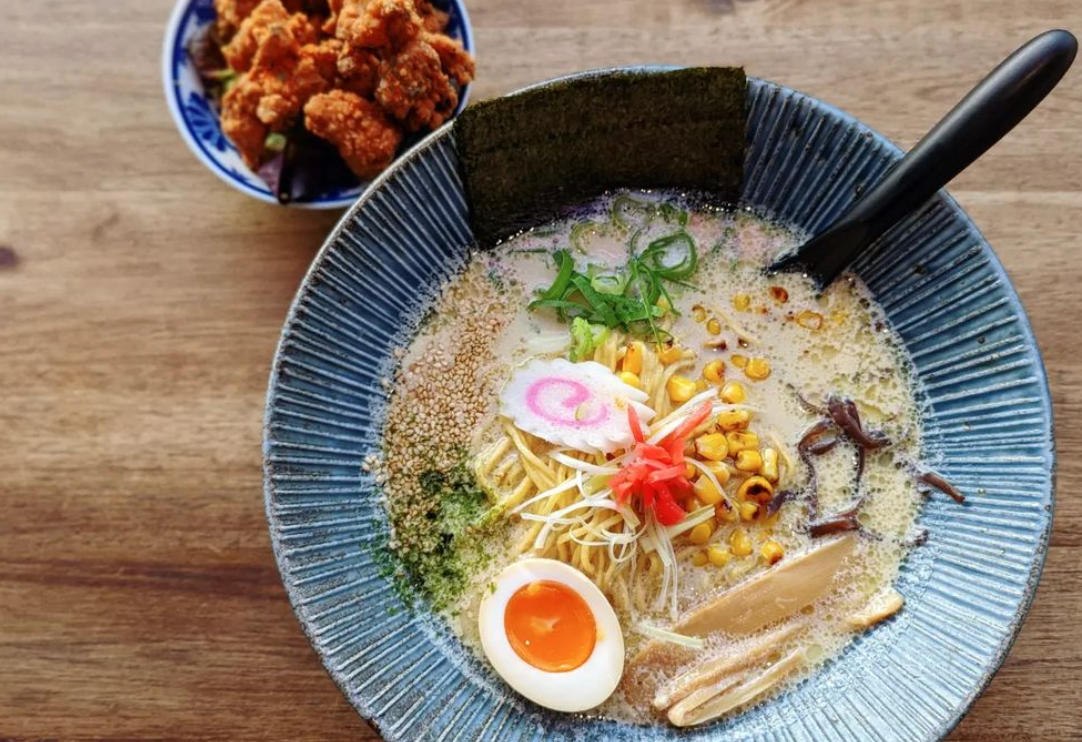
444	413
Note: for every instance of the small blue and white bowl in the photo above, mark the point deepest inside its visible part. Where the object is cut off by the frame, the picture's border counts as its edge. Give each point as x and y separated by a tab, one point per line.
198	122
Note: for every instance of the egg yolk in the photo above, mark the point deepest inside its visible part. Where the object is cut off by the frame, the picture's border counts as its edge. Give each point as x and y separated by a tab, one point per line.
550	626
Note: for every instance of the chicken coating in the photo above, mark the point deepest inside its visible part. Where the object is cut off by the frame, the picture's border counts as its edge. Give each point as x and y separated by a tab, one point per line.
383	25
334	7
457	62
285	94
270	96
231	13
359	70
324	57
365	137
433	20
240	122
269	32
414	88
373	29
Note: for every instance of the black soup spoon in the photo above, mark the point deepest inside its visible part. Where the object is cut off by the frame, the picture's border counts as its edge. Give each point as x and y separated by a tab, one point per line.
982	118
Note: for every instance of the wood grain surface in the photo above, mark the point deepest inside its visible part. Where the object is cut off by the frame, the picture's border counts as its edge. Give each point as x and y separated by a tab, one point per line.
141	299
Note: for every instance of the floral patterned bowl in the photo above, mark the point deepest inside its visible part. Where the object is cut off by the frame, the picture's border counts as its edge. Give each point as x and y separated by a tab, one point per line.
197	120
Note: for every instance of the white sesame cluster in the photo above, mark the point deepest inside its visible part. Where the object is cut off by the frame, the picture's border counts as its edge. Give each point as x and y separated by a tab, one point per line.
440	398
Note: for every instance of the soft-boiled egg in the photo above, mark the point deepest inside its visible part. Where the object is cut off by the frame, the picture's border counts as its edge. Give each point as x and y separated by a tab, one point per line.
550	633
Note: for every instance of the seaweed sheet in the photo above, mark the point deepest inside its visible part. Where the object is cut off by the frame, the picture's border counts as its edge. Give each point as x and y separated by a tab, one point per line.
527	157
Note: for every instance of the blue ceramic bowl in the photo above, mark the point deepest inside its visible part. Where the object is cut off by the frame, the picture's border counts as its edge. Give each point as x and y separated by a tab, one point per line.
197	120
987	426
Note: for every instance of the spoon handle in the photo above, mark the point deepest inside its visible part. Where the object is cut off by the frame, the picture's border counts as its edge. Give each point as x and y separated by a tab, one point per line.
981	119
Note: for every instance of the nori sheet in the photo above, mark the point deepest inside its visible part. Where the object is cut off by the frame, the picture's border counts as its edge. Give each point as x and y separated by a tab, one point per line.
527	157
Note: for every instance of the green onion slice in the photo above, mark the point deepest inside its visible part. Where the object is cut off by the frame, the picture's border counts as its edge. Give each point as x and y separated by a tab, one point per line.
597	301
565	266
579	232
631	213
659	249
275	142
607	283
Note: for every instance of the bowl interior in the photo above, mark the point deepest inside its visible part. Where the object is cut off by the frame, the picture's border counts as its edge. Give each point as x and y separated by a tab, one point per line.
197	120
987	426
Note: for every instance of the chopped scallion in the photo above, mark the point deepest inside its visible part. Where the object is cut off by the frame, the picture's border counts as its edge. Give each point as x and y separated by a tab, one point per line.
275	142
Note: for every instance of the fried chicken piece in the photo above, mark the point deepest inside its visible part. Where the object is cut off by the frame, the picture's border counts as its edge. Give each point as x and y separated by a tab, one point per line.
287	90
324	57
457	62
240	122
378	24
330	25
365	137
359	70
271	95
231	13
414	88
433	20
269	32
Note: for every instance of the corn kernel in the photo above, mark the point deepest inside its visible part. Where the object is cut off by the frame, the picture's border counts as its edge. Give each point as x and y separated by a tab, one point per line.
756	489
663	305
770	464
680	389
712	446
719	470
690	472
724	512
701	386
633	358
699	559
749	460
714	371
733	393
670	354
740	361
701	533
739	542
757	368
717	556
741	302
810	320
698	313
706	491
733	420
713	326
630	379
748	510
692	503
738	440
780	294
772	552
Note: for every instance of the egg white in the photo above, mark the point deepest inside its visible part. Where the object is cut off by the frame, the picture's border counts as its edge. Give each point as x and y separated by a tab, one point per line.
580	689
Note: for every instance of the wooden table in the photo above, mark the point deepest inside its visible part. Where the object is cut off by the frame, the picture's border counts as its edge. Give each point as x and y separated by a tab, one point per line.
141	299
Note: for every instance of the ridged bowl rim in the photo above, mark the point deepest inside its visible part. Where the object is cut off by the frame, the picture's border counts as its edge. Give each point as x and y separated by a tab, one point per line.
419	152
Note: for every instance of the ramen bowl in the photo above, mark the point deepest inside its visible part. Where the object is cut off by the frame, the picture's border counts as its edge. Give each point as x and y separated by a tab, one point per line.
979	372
